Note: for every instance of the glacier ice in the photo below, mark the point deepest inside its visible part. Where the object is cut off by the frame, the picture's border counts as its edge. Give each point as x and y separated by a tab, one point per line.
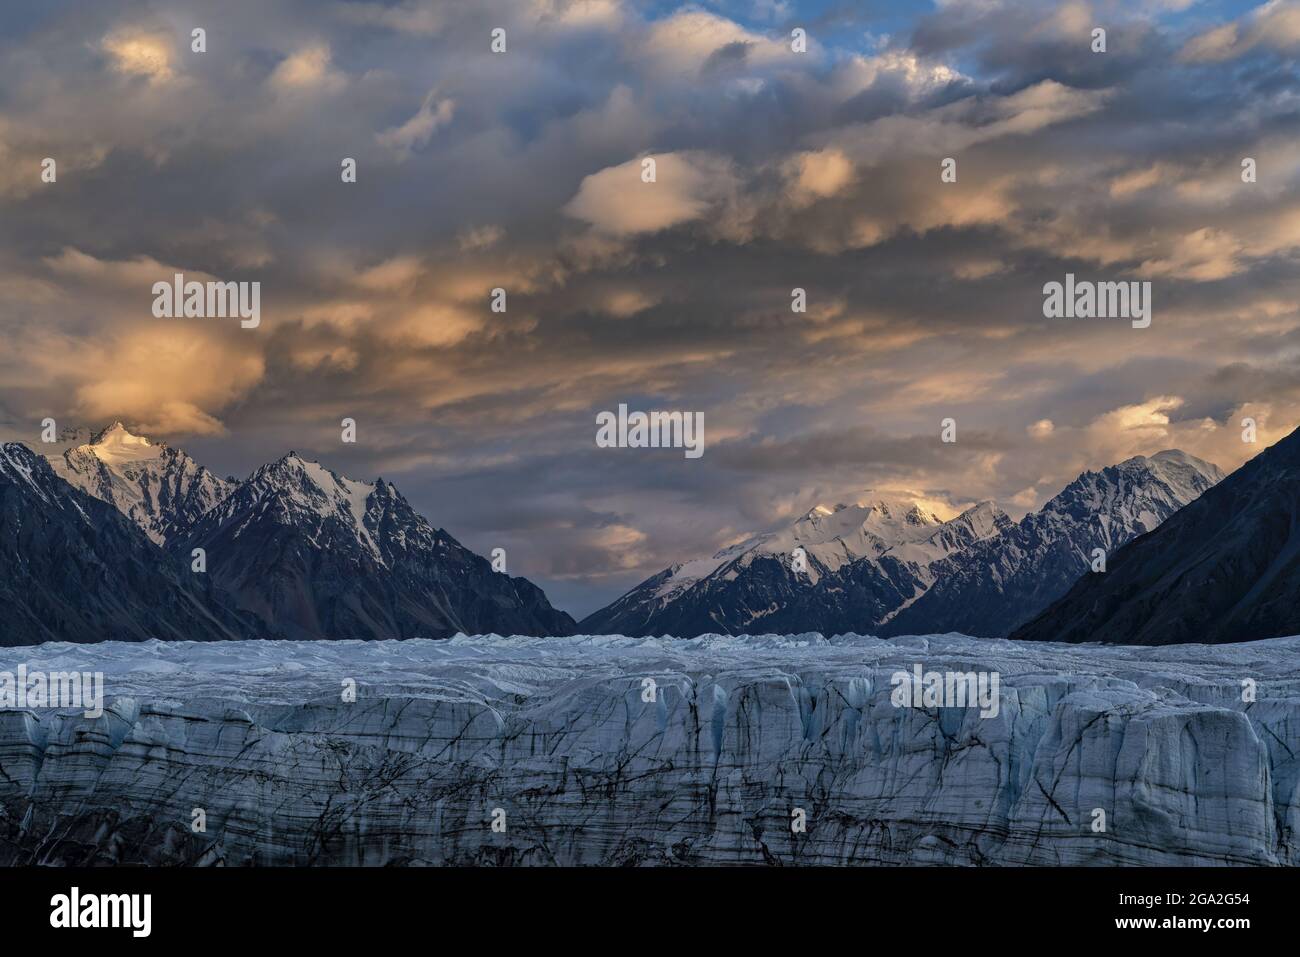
591	768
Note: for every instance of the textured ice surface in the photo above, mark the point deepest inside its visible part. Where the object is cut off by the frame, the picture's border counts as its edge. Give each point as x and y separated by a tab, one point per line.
741	732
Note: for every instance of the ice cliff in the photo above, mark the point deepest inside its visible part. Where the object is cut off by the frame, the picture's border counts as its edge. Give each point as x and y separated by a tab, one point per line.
589	763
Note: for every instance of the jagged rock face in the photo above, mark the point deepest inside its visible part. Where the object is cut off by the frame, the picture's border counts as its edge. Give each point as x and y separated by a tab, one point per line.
296	551
997	585
892	567
741	731
316	555
76	570
161	489
864	562
1224	569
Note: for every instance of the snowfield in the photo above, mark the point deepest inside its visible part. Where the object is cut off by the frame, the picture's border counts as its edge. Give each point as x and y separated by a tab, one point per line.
1097	755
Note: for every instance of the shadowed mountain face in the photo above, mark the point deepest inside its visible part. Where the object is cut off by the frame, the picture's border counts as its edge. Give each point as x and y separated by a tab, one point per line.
888	566
75	569
316	555
995	586
104	530
1224	569
299	551
863	561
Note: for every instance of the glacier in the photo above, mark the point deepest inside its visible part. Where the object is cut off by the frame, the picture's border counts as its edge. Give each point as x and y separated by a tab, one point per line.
608	750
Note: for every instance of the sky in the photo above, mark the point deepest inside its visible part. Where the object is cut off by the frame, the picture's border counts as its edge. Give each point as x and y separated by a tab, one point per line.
775	170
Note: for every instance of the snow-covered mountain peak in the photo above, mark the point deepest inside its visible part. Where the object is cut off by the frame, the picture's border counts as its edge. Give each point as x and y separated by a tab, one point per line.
1177	455
317	554
899	528
993	588
881	518
295	473
1183	471
297	550
82	571
115	445
159	488
1139	491
293	467
1222	569
307	489
889	560
984	518
934	539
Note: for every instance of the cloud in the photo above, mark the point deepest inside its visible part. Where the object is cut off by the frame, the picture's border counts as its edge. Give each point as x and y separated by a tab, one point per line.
1220	43
1135	181
418	17
625	302
308	69
164	379
1145	422
139	274
686	42
577	14
416	132
1274	26
1203	255
140	53
687	187
170	376
775	170
817	174
916	76
953	128
475	238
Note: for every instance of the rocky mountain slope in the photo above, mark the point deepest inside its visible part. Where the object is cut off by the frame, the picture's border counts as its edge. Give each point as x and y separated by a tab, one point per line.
863	560
890	566
160	488
1224	569
993	587
295	551
314	554
75	569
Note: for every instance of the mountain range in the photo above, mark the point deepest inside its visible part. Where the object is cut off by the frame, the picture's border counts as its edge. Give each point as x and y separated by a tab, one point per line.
76	569
105	533
318	555
887	565
863	560
112	536
997	585
1225	568
159	488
